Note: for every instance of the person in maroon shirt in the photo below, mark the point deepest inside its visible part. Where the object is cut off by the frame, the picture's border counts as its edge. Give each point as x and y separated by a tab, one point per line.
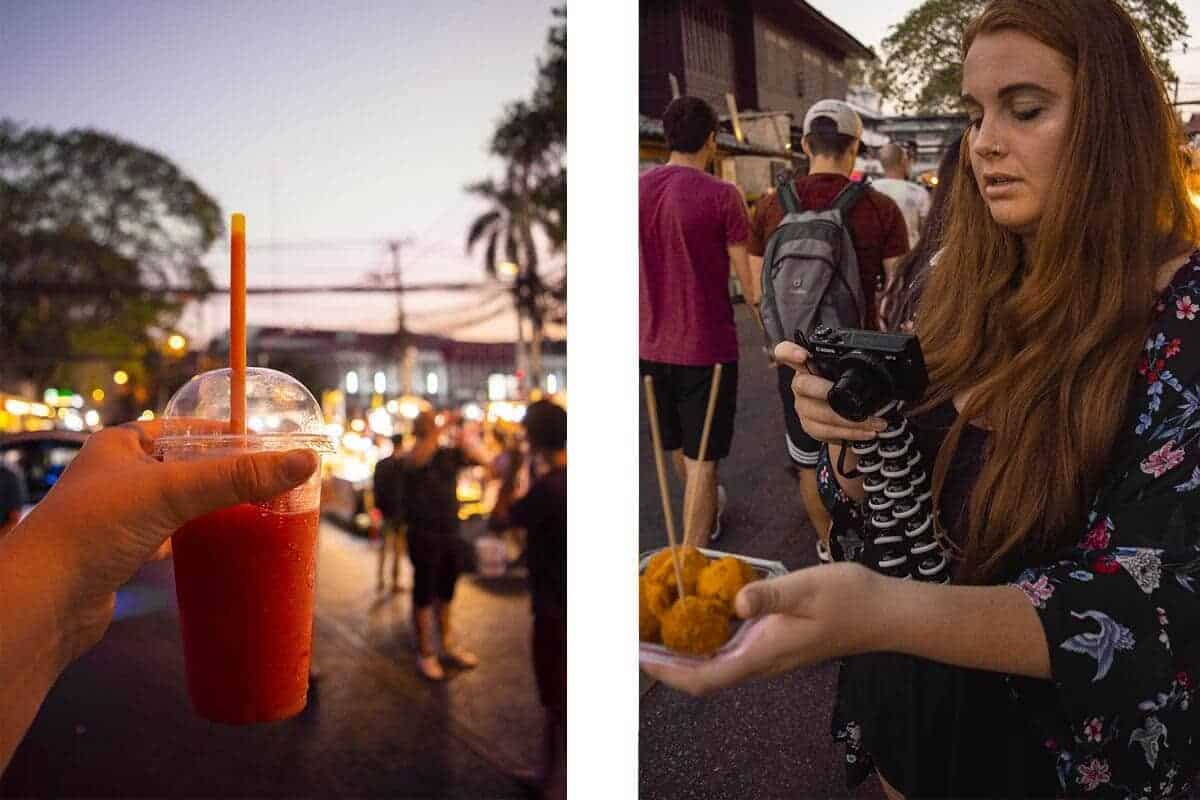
832	131
692	226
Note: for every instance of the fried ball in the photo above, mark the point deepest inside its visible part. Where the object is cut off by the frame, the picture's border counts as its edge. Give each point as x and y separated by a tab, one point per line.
661	568
722	580
696	625
654	600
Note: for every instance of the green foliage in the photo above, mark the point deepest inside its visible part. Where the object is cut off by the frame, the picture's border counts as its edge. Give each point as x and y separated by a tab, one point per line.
86	211
920	69
531	138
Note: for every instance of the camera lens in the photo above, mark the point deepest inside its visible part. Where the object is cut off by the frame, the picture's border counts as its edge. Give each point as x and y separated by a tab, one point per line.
863	387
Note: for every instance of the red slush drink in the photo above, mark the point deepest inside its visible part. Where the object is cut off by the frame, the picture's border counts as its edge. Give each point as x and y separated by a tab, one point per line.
244	578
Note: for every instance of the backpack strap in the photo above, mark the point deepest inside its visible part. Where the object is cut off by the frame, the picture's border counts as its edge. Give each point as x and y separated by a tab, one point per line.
850	195
788	198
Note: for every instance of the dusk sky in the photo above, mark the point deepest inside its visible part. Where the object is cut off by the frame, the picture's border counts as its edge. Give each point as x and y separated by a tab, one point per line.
333	126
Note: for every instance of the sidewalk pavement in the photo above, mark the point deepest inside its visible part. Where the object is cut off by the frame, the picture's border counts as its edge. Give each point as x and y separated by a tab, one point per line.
118	722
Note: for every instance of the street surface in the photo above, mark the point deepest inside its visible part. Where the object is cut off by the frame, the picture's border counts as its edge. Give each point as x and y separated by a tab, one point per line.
118	723
768	739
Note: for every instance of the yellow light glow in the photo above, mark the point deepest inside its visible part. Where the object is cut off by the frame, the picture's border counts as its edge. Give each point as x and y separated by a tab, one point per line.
933	181
41	410
120	377
358	426
98	395
507	269
147	416
176	342
16	407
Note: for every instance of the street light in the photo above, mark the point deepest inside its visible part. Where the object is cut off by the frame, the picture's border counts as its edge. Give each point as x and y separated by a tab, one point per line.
120	377
176	343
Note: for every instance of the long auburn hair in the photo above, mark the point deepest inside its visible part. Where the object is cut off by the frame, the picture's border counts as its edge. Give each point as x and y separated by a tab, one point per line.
1048	337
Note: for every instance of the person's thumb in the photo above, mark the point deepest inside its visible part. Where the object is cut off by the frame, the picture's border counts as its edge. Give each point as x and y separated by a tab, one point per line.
791	354
199	487
782	595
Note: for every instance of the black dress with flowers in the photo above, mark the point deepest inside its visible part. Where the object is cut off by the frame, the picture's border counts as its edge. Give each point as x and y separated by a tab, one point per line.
1120	610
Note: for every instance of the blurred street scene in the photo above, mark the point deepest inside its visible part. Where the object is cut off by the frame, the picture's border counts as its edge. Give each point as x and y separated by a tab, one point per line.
406	262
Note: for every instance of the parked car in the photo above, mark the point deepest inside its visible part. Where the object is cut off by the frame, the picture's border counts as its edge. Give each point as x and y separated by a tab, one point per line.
38	459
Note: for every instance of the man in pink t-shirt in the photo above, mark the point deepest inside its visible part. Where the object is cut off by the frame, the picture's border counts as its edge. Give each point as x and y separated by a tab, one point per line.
691	228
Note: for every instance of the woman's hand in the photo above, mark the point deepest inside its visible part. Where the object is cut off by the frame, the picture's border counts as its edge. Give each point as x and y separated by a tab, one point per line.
806	617
820	421
115	507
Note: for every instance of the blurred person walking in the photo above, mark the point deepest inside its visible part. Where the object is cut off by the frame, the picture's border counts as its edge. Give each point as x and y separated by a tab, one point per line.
430	479
542	513
832	134
899	303
896	183
388	493
691	228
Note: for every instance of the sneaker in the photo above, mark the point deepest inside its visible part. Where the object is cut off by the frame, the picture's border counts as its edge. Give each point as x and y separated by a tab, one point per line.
430	668
823	554
722	499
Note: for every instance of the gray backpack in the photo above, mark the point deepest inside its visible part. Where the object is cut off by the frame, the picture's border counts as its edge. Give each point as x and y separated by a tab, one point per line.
810	269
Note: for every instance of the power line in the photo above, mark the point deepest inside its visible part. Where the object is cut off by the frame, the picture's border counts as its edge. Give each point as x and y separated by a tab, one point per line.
61	288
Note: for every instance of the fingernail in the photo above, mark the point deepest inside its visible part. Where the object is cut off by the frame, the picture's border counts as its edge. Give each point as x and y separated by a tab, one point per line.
298	464
879	424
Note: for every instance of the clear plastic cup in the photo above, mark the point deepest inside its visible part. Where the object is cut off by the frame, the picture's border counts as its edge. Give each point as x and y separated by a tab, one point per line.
244	576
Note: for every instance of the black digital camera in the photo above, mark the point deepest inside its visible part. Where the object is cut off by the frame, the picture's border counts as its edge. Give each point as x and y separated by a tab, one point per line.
869	369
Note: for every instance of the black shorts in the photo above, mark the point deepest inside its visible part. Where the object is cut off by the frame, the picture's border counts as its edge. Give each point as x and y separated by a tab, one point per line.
802	449
681	394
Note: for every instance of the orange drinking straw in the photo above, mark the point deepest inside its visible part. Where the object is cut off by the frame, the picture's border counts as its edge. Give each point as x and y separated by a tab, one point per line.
237	327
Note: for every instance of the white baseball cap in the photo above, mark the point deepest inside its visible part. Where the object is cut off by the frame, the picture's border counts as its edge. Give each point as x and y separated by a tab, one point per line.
846	118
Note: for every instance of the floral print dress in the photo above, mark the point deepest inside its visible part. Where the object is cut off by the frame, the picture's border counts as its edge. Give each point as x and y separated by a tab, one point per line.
1120	608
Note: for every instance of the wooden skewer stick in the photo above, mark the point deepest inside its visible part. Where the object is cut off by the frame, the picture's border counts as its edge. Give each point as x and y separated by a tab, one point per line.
713	391
712	406
656	437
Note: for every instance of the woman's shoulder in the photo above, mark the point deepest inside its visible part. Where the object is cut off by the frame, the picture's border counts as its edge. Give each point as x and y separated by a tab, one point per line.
1180	271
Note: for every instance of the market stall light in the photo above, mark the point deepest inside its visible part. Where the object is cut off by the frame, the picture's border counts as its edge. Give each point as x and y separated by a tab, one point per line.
147	416
358	426
552	383
393	406
176	343
120	377
507	269
351	382
92	418
380	383
98	395
473	412
409	410
431	383
40	409
50	397
380	422
16	407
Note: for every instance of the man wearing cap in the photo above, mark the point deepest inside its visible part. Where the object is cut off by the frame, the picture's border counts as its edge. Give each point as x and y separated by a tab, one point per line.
832	133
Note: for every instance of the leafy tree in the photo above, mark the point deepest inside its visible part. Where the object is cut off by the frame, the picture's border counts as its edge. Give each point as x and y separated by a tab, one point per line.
92	230
920	69
531	137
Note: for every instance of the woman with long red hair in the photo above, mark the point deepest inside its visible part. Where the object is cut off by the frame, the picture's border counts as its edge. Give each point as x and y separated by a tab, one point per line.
1060	328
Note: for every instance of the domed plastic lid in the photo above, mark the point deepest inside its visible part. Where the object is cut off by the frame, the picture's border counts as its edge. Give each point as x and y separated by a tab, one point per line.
281	414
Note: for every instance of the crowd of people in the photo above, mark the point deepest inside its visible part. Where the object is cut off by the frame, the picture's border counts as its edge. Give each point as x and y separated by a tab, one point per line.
1052	282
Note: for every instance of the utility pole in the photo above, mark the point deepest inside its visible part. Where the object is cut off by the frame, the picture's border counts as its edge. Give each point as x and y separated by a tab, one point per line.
395	245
